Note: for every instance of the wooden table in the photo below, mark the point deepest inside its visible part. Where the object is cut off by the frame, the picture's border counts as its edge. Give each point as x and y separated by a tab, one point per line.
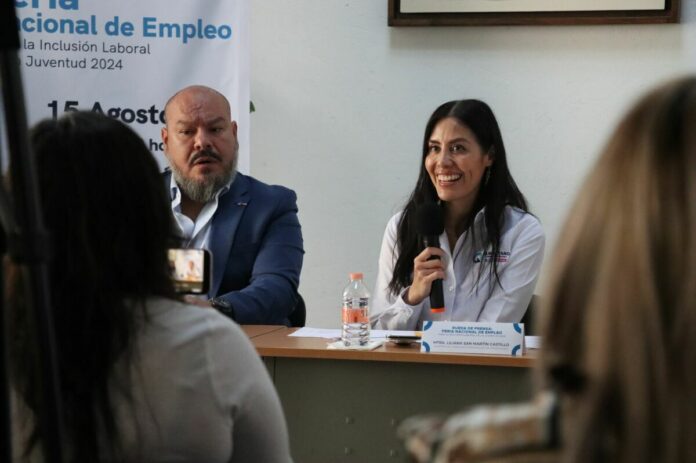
254	331
345	405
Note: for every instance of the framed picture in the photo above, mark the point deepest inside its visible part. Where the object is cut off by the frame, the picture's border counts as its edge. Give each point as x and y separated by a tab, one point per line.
537	12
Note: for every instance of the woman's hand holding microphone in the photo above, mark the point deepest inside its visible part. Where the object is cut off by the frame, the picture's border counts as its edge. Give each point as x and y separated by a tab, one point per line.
428	266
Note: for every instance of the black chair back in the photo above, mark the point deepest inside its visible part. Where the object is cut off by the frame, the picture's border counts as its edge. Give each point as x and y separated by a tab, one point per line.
529	318
299	313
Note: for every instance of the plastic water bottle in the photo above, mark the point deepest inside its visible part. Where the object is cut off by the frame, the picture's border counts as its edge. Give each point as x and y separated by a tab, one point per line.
355	313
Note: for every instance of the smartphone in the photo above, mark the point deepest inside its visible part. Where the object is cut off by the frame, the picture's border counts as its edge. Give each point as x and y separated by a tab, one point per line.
190	270
403	340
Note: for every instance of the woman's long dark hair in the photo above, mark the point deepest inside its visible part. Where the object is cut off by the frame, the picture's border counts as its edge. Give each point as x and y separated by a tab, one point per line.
106	209
499	191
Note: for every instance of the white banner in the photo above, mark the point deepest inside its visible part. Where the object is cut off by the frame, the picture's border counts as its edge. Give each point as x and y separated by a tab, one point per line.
126	58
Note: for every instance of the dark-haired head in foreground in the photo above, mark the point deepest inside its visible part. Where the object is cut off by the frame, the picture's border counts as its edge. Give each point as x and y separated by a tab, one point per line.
110	224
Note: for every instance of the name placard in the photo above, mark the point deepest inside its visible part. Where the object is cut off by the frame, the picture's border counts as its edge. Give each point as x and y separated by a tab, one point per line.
473	338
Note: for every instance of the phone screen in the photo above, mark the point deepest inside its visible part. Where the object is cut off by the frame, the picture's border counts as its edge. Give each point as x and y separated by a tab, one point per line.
190	270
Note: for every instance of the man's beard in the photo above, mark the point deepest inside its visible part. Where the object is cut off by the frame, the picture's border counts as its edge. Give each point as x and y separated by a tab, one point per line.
205	190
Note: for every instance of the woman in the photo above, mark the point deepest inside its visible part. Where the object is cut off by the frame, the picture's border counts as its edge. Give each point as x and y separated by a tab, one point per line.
620	336
144	376
619	328
491	249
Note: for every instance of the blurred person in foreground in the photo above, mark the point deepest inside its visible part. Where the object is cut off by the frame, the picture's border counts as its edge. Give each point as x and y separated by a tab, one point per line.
619	326
144	376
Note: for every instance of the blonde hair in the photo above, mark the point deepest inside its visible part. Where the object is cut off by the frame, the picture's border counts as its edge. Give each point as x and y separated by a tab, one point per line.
620	319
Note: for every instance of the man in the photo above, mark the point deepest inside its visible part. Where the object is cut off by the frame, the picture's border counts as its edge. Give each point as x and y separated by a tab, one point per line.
250	228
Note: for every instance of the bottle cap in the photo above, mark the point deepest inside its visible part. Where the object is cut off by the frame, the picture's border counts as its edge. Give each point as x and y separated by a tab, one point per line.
355	276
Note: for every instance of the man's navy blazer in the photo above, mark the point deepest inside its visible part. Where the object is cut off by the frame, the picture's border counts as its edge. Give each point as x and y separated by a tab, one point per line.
257	251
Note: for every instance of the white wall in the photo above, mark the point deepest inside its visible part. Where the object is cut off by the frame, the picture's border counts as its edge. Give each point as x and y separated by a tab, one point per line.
342	100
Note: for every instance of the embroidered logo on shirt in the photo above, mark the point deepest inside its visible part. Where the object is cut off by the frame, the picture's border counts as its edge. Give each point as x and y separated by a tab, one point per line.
500	257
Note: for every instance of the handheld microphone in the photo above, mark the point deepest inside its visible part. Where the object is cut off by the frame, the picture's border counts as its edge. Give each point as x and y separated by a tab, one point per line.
430	224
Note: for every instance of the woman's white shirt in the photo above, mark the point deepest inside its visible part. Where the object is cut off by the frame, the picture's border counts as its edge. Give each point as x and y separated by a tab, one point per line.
196	391
470	294
200	390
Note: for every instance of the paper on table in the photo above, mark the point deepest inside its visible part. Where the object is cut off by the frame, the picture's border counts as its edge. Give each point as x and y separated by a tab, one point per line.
327	333
532	342
307	332
340	346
